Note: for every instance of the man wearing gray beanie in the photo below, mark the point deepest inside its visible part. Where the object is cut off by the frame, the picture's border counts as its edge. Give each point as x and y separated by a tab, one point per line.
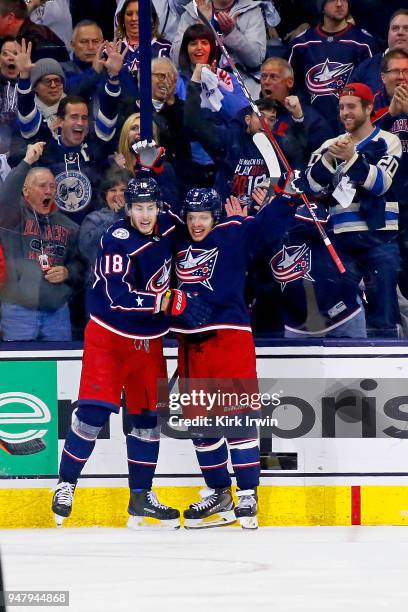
324	57
40	88
44	67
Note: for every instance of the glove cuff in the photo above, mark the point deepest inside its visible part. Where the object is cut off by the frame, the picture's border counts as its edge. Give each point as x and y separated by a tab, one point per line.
177	302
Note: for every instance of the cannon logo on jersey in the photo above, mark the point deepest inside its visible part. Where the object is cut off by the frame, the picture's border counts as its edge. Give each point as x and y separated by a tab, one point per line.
290	263
196	266
160	280
328	78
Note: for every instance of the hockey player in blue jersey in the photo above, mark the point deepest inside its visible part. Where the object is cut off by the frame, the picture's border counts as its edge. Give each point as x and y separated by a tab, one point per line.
123	350
356	172
324	57
317	300
211	261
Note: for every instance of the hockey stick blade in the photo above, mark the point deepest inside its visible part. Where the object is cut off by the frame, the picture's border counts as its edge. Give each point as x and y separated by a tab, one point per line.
23	448
264	146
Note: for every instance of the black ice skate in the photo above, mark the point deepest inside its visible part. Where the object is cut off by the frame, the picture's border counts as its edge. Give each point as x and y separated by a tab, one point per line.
247	509
62	501
216	508
147	512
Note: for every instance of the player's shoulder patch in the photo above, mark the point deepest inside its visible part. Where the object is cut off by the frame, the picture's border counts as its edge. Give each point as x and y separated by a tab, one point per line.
121	233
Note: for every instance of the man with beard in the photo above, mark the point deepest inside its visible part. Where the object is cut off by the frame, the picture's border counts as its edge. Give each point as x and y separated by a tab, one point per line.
356	171
324	57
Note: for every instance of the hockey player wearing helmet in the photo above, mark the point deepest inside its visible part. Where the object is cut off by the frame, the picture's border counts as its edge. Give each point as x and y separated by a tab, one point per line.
142	205
123	350
211	262
201	212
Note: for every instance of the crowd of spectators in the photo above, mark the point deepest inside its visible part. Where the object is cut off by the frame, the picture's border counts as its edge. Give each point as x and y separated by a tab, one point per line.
70	142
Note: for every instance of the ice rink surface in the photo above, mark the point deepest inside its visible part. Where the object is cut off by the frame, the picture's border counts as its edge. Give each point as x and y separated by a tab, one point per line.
344	569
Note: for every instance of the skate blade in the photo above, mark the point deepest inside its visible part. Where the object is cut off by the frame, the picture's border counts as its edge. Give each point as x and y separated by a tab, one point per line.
215	520
140	523
59	520
248	522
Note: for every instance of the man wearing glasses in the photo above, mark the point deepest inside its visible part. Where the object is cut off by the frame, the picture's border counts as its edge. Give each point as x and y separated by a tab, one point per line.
169	117
47	89
391	106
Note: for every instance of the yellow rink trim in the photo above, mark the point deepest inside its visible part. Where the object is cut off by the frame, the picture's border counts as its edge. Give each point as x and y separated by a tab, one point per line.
107	506
384	505
278	506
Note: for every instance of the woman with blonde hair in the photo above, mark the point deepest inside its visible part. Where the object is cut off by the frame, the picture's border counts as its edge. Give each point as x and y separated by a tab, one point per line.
127	157
129	134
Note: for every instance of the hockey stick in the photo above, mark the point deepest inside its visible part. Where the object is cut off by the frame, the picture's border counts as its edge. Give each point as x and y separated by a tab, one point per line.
263	144
23	448
272	139
173	380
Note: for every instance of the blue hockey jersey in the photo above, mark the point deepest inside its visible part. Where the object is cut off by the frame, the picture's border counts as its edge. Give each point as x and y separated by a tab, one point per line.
323	63
215	268
316	297
131	273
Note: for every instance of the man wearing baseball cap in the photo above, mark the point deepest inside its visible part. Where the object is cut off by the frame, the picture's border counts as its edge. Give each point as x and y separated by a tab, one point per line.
354	174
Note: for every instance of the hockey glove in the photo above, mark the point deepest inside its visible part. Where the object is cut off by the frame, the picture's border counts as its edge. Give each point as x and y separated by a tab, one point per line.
189	309
150	156
292	183
177	302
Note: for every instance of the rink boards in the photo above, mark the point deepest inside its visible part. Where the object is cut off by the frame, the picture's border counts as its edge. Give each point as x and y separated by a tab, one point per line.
357	477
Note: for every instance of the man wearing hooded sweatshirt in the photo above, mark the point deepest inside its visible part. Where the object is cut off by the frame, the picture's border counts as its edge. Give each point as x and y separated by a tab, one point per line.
41	249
